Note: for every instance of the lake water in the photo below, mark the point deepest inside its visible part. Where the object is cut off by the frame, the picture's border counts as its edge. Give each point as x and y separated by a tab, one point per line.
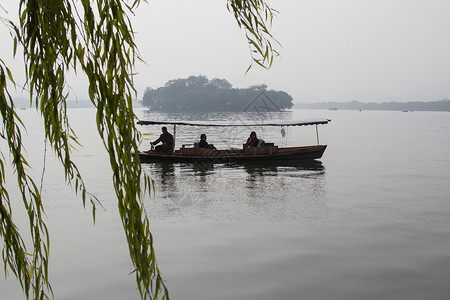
370	220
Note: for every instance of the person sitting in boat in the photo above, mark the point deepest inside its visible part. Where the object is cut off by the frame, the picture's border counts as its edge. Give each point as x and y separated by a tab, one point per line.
167	142
253	141
203	143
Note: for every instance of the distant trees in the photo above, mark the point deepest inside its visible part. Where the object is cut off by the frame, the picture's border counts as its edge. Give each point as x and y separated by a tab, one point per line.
197	93
441	105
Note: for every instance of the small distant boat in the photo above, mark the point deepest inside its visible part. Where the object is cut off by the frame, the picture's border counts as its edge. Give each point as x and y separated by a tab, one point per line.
267	152
333	108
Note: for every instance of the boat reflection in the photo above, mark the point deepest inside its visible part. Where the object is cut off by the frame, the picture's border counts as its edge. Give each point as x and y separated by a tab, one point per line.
250	191
262	168
204	168
165	173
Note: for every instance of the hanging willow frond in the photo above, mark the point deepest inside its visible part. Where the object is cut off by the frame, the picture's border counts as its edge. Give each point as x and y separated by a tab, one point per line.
256	17
95	37
32	274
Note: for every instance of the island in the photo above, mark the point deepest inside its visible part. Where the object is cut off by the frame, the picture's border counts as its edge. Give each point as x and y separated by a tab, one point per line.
199	94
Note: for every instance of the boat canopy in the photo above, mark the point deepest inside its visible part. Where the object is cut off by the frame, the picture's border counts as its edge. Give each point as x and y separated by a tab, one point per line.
293	123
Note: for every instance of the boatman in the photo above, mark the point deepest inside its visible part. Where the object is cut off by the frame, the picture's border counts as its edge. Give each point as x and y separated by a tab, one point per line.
167	142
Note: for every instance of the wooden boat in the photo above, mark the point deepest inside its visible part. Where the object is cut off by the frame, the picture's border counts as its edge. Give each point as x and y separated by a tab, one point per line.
267	152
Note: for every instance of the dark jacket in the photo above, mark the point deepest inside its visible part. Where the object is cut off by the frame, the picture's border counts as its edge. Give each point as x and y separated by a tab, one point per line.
252	142
167	141
203	144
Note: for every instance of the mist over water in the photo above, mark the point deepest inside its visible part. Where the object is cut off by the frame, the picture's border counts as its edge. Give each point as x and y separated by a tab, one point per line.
370	220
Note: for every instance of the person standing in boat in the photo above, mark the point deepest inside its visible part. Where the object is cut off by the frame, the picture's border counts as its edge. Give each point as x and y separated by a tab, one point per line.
167	142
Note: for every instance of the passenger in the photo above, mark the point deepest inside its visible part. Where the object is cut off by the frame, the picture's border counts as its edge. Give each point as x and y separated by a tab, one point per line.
167	142
252	140
203	143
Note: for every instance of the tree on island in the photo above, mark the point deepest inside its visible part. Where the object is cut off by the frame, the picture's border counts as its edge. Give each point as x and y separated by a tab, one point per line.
96	39
197	93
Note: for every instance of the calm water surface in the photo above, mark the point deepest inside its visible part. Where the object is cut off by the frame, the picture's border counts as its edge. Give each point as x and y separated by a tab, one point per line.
370	220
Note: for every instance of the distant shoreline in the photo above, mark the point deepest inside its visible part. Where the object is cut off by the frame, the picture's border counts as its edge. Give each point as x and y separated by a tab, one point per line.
441	105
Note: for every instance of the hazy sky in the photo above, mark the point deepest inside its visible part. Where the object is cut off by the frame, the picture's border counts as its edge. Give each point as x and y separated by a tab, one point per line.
331	50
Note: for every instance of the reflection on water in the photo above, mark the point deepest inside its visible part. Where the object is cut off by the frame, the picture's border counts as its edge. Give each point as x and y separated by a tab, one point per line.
368	223
268	167
231	117
248	191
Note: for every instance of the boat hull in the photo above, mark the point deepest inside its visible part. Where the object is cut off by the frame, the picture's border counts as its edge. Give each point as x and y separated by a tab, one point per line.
218	156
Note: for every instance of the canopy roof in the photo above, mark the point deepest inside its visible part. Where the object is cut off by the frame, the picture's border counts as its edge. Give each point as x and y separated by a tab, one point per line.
240	123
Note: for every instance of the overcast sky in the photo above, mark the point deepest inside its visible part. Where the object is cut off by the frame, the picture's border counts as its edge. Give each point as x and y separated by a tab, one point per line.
331	50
